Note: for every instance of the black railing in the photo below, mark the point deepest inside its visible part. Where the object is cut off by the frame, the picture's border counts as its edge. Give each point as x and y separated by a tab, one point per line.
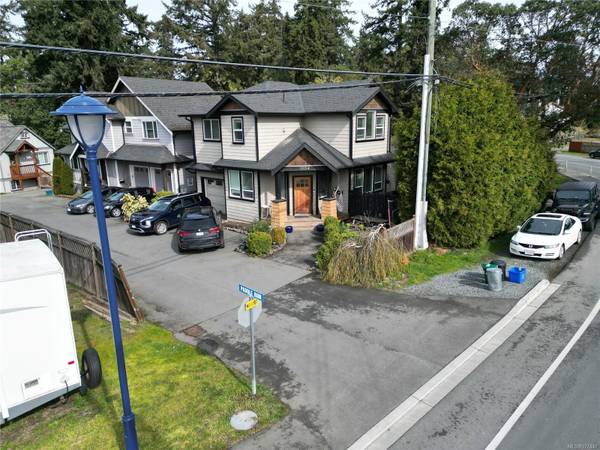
370	204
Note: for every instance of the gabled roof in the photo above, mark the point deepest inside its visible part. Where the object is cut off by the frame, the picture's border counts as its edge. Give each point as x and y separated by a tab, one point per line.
156	154
10	132
167	109
299	140
350	97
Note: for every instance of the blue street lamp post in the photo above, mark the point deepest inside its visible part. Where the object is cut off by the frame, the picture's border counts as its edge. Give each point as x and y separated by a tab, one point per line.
86	117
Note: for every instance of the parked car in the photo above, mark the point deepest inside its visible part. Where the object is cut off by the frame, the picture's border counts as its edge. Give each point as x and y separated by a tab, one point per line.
546	236
165	213
200	228
594	154
113	206
580	199
84	204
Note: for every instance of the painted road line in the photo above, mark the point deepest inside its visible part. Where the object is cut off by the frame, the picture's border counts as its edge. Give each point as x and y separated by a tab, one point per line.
393	426
512	420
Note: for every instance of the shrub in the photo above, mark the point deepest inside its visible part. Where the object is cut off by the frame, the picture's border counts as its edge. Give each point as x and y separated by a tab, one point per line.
259	243
366	260
68	188
133	204
279	235
336	232
57	173
260	225
161	194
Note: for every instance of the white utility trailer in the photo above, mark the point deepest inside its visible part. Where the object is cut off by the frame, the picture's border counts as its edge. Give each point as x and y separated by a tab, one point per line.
38	358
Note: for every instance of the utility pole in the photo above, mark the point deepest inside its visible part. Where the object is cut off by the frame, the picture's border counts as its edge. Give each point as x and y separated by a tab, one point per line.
428	82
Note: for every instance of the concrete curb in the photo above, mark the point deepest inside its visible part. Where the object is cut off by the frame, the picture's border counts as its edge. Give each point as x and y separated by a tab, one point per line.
408	413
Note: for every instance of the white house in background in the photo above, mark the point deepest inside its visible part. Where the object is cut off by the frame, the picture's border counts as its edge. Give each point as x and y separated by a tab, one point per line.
146	143
25	158
299	146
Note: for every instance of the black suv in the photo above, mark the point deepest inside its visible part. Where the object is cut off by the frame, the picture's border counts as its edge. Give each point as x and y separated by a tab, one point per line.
580	199
113	205
165	213
84	204
200	228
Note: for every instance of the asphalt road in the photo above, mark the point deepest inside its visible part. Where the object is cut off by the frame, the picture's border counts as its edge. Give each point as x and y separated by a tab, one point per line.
578	167
566	413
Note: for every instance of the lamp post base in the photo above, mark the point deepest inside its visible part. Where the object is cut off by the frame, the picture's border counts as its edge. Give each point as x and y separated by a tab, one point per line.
131	442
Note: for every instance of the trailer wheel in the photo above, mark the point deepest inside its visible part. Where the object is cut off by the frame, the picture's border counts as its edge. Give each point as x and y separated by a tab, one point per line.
91	369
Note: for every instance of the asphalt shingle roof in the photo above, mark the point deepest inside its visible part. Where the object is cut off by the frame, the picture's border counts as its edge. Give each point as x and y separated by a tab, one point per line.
156	154
168	108
8	133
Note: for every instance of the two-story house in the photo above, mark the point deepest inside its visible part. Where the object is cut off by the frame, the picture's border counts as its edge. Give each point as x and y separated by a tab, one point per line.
25	158
253	148
147	142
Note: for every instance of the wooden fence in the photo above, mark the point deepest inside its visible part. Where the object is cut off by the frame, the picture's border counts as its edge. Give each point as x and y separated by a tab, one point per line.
82	263
406	232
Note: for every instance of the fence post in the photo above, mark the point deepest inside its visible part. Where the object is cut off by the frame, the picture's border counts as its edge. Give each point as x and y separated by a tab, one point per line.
12	227
95	269
60	248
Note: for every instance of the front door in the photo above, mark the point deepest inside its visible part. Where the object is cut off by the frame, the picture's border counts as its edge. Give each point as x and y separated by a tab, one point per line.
302	195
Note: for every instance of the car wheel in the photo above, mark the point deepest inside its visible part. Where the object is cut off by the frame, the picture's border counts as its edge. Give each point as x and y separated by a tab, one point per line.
90	209
160	227
91	370
579	237
561	252
116	212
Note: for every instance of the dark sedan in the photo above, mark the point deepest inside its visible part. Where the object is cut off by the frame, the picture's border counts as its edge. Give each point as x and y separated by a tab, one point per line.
595	154
200	228
113	205
84	204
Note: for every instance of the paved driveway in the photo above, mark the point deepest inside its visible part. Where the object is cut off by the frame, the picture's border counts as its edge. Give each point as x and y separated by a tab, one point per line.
175	290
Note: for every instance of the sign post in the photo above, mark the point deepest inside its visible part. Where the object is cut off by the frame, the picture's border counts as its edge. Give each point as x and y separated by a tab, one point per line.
248	314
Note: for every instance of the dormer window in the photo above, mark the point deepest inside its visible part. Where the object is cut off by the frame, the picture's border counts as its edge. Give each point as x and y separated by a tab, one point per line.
150	129
237	130
211	130
370	126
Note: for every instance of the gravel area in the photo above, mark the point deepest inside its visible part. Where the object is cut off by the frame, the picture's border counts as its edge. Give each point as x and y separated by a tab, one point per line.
471	282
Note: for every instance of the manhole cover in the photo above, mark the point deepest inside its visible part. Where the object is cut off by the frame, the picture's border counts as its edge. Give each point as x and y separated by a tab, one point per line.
194	331
244	420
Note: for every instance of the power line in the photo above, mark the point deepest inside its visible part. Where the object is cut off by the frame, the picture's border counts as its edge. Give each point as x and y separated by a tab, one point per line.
38	95
22	45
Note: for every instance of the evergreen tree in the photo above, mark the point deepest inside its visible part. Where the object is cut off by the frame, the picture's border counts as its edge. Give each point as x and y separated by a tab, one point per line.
201	29
490	167
57	175
318	35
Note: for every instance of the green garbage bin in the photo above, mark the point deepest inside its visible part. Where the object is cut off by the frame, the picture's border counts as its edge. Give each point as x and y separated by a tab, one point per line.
485	267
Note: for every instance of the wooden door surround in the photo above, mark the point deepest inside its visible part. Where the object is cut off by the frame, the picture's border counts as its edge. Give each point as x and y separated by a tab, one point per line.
302	194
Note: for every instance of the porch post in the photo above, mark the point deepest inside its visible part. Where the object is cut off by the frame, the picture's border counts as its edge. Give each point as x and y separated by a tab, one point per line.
278	213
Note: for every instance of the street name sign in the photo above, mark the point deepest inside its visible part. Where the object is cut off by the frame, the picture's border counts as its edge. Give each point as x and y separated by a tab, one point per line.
250	292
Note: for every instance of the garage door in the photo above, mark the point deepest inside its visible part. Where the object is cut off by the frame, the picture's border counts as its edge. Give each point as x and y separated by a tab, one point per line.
215	191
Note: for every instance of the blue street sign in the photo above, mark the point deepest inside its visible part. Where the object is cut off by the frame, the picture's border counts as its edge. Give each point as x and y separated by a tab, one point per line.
251	292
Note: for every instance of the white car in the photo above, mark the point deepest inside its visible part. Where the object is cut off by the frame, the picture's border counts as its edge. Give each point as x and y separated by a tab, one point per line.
546	236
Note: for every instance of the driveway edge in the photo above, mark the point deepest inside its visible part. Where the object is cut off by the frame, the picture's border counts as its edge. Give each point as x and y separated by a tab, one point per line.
393	426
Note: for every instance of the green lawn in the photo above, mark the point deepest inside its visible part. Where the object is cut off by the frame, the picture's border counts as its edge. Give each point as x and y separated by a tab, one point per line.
181	398
425	265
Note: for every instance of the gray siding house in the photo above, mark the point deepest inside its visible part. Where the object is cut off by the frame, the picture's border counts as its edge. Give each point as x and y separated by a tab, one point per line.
147	143
253	148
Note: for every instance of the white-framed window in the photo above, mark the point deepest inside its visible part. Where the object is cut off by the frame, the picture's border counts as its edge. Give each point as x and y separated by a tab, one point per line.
42	157
361	127
241	184
358	179
379	126
24	135
378	178
150	129
128	127
370	126
211	131
75	163
237	130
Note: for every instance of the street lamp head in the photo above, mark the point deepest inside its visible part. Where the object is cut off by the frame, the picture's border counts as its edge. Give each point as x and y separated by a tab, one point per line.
86	117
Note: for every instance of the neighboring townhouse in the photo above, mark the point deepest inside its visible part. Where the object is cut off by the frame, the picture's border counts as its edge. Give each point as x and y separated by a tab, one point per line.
25	158
299	147
146	143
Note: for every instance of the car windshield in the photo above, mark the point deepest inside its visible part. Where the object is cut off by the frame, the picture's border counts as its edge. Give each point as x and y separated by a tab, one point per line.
572	196
116	196
87	195
159	205
549	227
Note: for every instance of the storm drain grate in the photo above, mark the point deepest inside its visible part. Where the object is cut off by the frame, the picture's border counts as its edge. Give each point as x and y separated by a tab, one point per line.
194	331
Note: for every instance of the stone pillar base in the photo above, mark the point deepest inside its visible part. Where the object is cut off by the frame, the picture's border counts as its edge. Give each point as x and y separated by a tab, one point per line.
278	213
